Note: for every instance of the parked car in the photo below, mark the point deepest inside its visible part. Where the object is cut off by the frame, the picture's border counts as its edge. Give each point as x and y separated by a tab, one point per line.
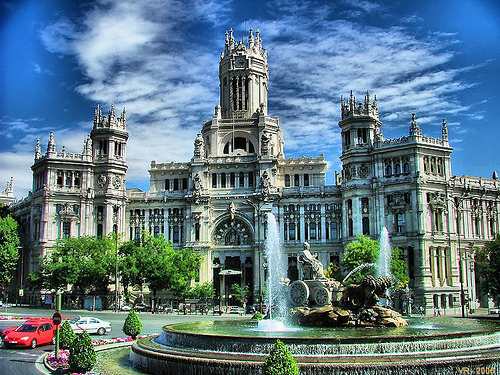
32	333
494	311
126	308
141	307
235	310
90	325
5	330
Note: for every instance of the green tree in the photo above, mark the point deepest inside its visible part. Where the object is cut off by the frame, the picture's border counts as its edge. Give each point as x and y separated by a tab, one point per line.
366	250
132	263
488	267
66	335
9	253
132	326
280	361
239	293
362	250
399	269
86	262
204	291
82	357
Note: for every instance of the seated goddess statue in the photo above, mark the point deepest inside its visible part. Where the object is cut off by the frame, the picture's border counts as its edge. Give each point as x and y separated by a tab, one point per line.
310	268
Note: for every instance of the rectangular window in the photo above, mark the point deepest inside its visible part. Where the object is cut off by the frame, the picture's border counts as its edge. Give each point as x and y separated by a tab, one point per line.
366	226
231	180
184	184
312	231
291	231
351	227
214	180
242	180
99	230
306	180
197	232
250	179
66	229
175	234
400	222
333	230
69	178
77	179
296	180
223	180
167	184
176	184
287	180
60	178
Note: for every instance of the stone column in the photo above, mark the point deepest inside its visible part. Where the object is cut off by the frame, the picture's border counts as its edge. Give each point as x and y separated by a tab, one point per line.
301	223
432	265
442	253
356	215
323	224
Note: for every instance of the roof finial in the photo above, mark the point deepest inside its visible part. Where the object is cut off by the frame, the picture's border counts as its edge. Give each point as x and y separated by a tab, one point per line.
250	39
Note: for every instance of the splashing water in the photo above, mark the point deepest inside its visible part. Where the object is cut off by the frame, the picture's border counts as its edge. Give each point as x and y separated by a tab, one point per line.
276	271
384	258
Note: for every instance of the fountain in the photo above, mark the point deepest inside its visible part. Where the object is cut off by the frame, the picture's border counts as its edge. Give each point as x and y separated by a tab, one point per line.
386	344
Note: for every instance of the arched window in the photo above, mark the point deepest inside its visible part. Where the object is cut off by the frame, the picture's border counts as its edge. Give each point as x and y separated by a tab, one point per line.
397	169
406	168
241	145
388	170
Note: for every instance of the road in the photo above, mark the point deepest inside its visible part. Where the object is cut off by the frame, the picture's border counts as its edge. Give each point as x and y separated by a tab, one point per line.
22	361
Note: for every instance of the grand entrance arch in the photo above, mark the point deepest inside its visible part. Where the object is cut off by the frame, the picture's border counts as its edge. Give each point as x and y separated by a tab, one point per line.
233	239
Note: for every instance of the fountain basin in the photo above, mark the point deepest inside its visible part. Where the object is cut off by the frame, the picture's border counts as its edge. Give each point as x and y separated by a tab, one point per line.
437	346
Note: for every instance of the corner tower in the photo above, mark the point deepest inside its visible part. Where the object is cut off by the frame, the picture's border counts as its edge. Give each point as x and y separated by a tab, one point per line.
109	139
243	76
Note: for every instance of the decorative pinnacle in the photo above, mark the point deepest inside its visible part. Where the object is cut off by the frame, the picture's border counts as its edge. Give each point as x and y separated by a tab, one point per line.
444	131
51	145
38	149
414	127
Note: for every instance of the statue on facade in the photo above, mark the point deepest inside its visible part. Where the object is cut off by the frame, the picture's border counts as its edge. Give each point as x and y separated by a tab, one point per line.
199	147
197	187
265	184
231	209
264	144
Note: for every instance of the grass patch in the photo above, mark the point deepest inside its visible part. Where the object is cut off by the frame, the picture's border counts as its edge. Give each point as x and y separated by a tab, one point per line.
115	362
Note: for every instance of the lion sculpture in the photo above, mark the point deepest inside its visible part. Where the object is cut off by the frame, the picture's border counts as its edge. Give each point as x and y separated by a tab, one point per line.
367	293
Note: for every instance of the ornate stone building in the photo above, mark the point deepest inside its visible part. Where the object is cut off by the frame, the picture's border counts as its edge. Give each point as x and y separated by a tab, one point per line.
217	202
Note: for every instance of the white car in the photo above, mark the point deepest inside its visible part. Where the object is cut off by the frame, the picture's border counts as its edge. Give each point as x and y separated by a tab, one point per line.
90	325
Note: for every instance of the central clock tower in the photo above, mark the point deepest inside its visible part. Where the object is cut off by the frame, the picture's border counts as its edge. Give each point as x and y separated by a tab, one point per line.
243	75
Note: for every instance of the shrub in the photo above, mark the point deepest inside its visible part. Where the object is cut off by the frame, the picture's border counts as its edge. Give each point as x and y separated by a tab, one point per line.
133	325
280	361
82	357
257	316
66	335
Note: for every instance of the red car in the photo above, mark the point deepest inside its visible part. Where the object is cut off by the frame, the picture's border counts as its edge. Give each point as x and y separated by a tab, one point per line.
31	333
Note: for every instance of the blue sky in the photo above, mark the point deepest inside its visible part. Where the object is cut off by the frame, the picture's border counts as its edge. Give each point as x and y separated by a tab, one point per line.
159	59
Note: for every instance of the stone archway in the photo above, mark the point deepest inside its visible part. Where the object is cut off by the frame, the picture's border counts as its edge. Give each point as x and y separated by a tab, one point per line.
233	232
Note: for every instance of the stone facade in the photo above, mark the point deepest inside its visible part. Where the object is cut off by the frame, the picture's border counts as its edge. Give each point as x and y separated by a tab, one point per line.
217	202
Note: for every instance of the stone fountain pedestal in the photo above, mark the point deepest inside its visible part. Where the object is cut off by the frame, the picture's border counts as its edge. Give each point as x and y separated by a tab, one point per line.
335	316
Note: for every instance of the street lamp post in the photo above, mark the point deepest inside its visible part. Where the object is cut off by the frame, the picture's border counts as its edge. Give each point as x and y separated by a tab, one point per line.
457	202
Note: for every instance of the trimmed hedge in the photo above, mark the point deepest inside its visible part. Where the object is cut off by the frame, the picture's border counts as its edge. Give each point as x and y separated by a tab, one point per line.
280	361
66	335
133	325
82	357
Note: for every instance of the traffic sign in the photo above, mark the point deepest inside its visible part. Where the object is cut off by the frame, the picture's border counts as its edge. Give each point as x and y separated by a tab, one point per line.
57	318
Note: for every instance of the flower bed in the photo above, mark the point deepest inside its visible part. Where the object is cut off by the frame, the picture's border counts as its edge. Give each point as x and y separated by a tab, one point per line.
63	360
